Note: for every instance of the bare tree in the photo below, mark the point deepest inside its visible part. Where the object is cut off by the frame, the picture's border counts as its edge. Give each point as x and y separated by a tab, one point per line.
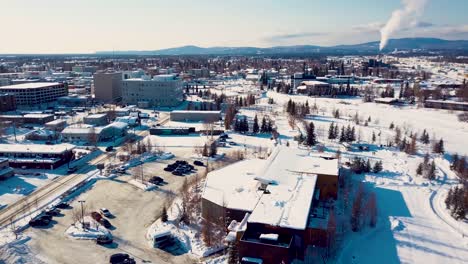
16	230
92	136
76	214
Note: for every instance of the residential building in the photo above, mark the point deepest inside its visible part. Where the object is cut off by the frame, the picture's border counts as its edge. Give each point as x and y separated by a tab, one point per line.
107	87
159	91
279	198
33	94
7	102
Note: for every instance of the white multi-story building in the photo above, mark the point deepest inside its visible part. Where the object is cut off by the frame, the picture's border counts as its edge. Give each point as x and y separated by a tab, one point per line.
32	94
161	90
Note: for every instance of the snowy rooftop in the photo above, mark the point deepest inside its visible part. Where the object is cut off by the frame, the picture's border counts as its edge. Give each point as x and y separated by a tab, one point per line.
30	85
35	148
312	83
292	174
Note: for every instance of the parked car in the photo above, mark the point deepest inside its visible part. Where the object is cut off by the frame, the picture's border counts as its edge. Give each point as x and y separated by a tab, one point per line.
232	143
105	223
45	217
156	180
170	168
121	258
72	170
52	211
198	163
109	148
105	212
49	143
177	173
102	240
96	216
63	205
39	222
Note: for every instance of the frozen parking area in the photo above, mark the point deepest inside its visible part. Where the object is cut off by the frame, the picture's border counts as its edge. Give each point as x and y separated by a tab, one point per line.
133	211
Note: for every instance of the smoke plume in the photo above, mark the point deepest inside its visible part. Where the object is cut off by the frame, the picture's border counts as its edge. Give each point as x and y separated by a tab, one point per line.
407	15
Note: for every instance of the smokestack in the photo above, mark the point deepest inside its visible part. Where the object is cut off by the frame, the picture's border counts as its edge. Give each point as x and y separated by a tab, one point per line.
407	15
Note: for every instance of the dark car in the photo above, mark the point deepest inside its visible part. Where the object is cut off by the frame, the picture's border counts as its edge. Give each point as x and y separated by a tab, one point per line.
156	180
45	217
105	223
52	212
181	162
198	163
39	222
170	168
72	169
49	143
109	148
121	258
102	240
177	173
63	205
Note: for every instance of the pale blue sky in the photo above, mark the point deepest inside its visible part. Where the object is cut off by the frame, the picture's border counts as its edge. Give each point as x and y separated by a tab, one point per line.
81	26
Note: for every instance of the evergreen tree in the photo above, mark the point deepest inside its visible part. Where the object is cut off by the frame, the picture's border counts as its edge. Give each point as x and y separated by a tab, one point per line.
437	147
431	172
269	126
311	139
367	167
353	134
377	167
263	127
255	128
342	135
331	131
419	170
164	214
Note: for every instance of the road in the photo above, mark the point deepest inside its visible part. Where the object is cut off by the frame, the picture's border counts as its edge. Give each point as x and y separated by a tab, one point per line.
57	187
46	194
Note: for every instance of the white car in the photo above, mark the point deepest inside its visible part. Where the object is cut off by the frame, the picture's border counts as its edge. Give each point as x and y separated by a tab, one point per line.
105	212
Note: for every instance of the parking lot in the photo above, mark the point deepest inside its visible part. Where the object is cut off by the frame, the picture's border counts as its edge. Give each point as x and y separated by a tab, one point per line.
133	209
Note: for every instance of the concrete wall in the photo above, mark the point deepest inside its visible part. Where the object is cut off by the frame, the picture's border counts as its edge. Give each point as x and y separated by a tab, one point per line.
108	86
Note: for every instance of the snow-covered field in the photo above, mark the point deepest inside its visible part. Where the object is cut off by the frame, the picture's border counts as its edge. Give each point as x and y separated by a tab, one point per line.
413	226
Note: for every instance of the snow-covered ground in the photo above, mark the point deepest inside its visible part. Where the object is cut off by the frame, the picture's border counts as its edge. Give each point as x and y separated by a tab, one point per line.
414	226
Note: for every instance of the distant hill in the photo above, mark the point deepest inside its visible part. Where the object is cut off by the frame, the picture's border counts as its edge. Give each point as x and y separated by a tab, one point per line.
429	44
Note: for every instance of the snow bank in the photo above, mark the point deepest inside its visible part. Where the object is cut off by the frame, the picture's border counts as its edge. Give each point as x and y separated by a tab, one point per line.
95	229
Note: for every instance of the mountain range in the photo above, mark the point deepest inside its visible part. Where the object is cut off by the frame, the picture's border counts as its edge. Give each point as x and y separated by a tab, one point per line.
427	44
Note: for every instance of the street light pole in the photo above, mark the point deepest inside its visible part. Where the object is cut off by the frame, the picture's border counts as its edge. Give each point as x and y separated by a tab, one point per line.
82	213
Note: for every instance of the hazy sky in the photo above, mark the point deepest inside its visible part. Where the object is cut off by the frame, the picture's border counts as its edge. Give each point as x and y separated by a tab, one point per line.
83	26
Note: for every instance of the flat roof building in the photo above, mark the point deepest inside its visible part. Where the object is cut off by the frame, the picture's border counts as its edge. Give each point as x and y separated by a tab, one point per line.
33	94
159	91
195	116
36	156
107	86
277	195
7	102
